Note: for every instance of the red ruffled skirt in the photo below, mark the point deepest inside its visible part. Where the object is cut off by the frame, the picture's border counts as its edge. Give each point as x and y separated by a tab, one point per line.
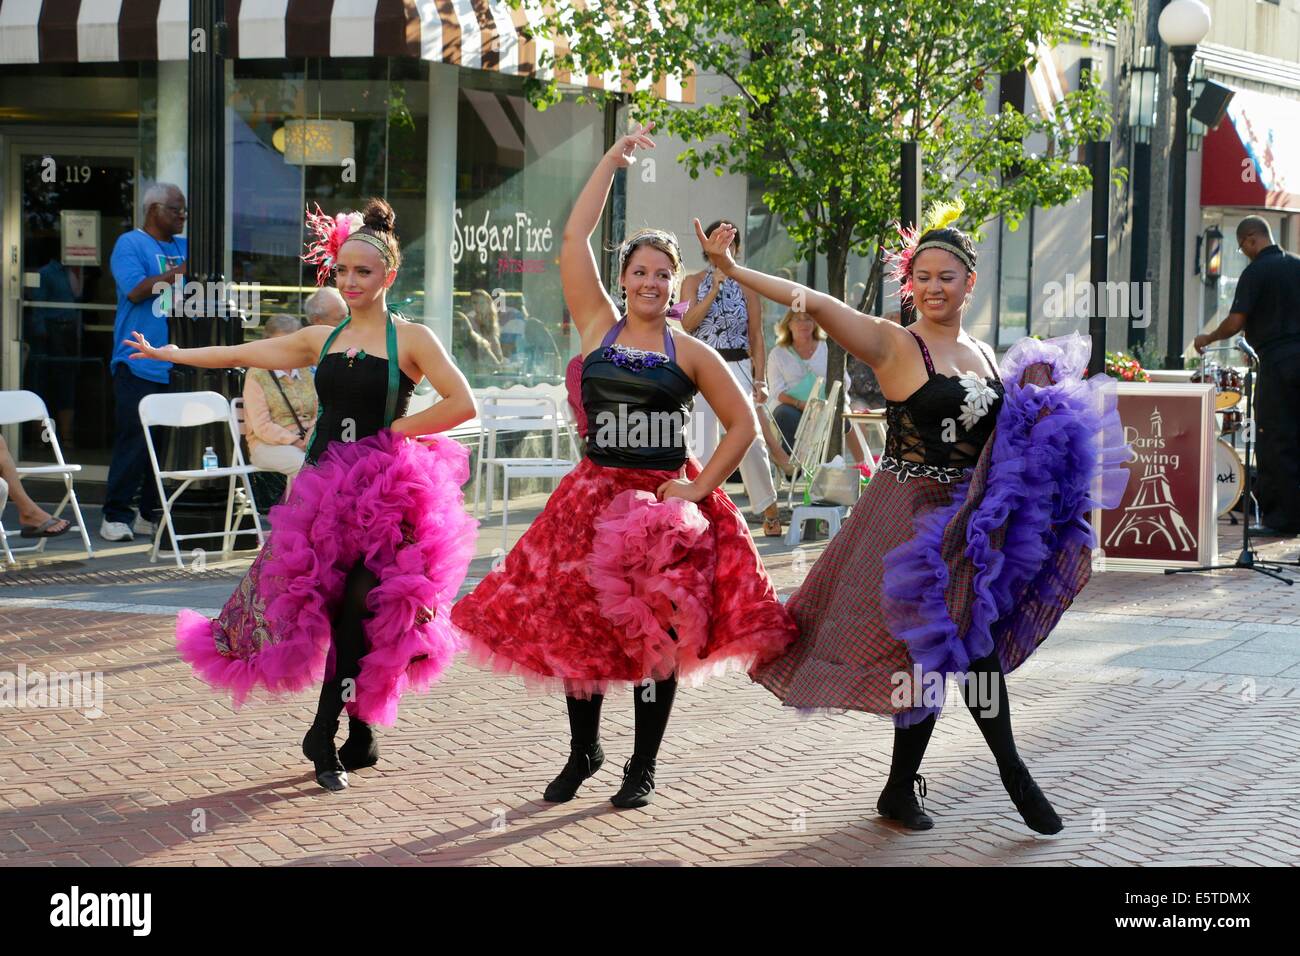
610	585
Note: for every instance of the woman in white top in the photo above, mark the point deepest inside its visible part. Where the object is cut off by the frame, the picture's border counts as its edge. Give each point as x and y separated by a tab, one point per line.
798	358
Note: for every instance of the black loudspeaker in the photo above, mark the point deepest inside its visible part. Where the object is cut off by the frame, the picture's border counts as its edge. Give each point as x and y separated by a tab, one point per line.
1211	104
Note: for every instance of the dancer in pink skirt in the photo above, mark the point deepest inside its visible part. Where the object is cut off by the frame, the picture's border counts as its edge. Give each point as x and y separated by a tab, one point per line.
354	586
640	570
972	539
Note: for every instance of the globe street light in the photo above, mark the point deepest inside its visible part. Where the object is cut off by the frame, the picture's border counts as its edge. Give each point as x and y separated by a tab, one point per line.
1183	24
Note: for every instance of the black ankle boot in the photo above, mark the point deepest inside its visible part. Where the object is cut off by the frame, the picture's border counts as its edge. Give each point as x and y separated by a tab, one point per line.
318	747
899	803
360	750
583	762
1029	800
638	784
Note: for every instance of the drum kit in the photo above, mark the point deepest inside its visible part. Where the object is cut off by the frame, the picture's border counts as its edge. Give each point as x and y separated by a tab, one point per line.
1229	472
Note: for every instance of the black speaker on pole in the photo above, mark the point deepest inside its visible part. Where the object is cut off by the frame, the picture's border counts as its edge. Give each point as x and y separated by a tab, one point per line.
1211	104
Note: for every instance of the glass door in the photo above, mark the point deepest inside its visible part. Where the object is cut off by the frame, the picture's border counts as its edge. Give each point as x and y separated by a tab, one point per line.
70	207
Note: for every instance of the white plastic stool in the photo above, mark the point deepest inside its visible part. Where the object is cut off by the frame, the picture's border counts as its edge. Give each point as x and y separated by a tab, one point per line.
830	513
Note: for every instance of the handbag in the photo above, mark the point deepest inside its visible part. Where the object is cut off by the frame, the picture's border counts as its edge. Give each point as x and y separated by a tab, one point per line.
836	483
803	389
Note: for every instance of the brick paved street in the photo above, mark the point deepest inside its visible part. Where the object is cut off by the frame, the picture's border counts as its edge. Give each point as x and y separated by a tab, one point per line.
1163	719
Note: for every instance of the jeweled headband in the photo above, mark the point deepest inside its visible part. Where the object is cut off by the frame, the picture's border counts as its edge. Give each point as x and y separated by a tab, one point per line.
956	250
641	238
377	243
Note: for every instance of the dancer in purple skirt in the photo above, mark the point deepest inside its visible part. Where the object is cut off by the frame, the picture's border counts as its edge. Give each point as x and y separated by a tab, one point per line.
971	541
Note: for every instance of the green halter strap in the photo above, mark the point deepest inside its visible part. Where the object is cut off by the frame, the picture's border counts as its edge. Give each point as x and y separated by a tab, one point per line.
394	369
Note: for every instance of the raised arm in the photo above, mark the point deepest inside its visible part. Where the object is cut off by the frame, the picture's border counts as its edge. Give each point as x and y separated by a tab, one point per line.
869	338
584	294
295	350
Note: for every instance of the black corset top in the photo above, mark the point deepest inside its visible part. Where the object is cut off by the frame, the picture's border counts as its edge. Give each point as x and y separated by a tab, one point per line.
942	426
638	405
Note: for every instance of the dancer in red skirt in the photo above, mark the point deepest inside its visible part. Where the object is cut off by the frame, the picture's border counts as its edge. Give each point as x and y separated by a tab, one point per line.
640	570
970	542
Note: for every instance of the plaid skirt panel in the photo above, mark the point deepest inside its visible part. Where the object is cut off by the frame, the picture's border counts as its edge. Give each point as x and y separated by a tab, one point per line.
845	656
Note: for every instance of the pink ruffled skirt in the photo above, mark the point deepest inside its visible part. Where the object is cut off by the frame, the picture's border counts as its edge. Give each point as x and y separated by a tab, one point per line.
387	501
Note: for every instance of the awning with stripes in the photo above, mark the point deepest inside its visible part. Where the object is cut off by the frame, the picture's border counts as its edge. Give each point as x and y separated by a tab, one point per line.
478	34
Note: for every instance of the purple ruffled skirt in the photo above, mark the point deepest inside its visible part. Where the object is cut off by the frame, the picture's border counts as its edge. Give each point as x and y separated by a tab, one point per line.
926	577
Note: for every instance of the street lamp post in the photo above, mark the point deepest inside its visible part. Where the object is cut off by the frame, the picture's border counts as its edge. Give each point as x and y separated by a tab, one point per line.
1182	25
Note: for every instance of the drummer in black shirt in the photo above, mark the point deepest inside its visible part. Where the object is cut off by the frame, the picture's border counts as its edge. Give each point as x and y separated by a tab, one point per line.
1267	307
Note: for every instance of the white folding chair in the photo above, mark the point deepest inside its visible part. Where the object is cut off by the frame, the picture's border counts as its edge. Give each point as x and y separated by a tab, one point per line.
516	413
810	440
189	410
23	406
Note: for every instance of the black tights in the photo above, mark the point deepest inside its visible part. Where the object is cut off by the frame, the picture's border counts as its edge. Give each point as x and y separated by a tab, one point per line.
349	636
651	704
986	699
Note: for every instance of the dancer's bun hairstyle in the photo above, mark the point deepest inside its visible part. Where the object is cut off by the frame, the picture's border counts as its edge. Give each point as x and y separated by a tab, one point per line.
380	221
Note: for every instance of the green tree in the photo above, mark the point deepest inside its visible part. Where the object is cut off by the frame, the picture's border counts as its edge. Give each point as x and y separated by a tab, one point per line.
827	90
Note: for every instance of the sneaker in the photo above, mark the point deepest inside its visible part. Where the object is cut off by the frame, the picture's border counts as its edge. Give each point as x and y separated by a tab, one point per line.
116	531
144	526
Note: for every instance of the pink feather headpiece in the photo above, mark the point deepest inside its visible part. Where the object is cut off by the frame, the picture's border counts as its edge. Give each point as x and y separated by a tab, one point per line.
330	232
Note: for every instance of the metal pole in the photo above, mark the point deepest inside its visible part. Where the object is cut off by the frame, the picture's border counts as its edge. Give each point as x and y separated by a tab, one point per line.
213	324
1178	219
1099	167
910	184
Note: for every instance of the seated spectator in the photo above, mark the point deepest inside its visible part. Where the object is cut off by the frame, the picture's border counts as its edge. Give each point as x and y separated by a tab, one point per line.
798	358
33	520
325	306
279	410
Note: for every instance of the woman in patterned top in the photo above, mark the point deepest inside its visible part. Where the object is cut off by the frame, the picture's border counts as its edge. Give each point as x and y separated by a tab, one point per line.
942	569
730	319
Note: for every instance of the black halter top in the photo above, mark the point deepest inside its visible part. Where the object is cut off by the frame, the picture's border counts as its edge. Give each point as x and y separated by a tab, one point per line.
353	393
940	429
638	405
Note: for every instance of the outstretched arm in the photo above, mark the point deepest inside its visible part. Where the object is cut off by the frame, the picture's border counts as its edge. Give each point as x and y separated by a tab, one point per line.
584	294
869	338
296	350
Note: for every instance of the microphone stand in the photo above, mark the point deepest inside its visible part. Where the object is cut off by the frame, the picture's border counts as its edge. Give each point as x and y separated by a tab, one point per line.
1246	559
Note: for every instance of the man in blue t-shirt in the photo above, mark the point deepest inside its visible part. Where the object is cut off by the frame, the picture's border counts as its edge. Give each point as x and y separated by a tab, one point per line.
142	259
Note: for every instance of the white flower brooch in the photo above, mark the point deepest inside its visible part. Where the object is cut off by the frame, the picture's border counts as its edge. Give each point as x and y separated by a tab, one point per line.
980	397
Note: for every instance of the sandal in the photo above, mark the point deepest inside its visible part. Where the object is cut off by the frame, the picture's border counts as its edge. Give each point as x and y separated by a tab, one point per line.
42	530
772	528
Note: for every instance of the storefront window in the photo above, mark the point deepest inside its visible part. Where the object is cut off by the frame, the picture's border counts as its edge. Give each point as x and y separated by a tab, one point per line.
332	133
518	172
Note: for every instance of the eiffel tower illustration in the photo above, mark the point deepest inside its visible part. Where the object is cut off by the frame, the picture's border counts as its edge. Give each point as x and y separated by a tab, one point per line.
1152	513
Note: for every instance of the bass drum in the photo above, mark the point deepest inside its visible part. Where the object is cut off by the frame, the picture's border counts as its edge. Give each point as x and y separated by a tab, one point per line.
1229	477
